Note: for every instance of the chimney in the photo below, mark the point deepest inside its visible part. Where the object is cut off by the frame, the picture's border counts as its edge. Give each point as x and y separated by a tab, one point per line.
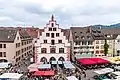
90	29
38	31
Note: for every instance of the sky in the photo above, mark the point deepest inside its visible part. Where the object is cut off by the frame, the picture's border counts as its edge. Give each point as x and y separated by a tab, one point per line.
67	13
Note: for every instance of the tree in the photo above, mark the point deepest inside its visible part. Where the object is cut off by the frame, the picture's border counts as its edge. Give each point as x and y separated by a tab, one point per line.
106	48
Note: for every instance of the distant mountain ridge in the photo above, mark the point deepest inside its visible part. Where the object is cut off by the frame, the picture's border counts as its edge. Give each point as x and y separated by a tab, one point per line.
107	26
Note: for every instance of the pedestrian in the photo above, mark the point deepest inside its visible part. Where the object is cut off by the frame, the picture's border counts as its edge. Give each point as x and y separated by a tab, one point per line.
79	77
84	74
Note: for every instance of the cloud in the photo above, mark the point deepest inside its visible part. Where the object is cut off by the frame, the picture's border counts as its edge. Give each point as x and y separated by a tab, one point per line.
67	12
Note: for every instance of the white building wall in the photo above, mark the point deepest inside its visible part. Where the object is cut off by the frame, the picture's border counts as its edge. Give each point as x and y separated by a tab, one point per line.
117	45
40	43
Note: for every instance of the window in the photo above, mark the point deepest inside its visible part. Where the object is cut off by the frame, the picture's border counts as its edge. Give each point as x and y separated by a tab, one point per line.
97	47
52	50
4	45
118	51
43	50
110	46
50	29
17	38
97	52
54	29
102	41
90	42
97	42
101	51
16	45
0	45
84	42
0	54
118	40
52	42
61	50
45	41
22	50
57	34
47	34
76	43
22	43
52	24
102	46
52	35
59	41
4	54
27	42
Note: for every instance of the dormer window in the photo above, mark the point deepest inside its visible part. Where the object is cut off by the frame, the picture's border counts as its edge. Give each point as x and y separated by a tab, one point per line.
82	37
76	37
75	33
52	24
88	37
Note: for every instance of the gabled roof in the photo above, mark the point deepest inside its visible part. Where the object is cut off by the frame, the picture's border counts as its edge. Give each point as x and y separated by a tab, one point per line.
33	32
7	35
81	34
24	34
101	34
111	31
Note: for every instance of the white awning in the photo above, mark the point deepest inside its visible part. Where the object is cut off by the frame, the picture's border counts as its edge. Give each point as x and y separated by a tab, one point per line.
104	71
54	62
71	78
44	66
60	62
117	67
11	75
4	65
70	66
32	66
66	62
116	73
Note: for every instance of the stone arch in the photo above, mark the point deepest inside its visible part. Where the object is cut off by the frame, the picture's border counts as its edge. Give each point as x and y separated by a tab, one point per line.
52	59
61	59
43	59
3	60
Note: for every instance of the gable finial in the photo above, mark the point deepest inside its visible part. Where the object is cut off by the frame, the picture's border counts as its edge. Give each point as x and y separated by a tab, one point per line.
52	18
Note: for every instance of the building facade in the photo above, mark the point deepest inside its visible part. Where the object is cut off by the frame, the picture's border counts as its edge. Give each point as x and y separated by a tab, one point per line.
82	42
52	43
89	42
15	45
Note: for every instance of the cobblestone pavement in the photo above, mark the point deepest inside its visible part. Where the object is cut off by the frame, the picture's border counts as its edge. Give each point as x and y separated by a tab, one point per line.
89	75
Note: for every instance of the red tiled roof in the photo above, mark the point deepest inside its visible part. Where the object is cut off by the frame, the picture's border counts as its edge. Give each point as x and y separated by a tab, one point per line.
40	31
32	32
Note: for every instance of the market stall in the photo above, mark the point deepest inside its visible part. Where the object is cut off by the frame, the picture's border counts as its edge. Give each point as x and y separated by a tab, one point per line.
44	73
86	61
71	78
44	66
14	76
104	71
69	66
